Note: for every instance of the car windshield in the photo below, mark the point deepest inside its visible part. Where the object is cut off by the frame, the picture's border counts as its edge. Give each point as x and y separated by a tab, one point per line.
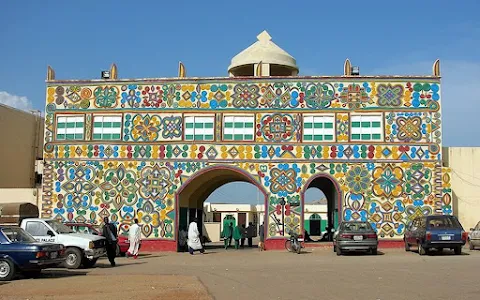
443	222
59	227
18	235
357	226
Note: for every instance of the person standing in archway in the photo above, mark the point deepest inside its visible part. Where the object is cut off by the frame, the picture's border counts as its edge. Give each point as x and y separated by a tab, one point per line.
227	235
261	233
134	235
237	235
250	234
194	242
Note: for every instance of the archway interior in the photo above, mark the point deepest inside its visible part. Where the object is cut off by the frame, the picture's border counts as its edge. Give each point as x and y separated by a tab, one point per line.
192	197
328	188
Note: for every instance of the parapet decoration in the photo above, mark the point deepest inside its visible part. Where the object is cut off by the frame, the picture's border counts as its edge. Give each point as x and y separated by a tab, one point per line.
113	71
182	73
436	68
50	73
347	68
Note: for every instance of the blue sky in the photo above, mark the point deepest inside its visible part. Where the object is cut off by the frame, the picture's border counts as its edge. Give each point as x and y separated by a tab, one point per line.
148	38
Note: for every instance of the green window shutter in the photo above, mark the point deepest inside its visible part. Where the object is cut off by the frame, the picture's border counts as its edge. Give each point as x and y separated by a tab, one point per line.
199	125
198	137
308	137
249	137
356	124
376	136
328	137
70	125
329	125
308	125
208	137
228	125
318	137
376	124
189	137
248	125
318	125
117	125
238	125
366	136
365	124
228	137
61	125
208	125
60	136
97	136
356	136
189	125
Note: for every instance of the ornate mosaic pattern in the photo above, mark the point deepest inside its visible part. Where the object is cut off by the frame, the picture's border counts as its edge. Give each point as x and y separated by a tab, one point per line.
387	183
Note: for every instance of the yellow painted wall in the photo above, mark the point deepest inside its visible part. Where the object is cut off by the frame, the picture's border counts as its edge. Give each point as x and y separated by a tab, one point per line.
21	143
464	163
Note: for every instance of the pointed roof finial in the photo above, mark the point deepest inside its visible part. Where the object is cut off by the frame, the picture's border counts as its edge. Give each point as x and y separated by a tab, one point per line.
264	37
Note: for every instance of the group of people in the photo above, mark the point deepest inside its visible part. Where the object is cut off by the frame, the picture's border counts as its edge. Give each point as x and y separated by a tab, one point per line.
191	239
193	242
109	231
239	233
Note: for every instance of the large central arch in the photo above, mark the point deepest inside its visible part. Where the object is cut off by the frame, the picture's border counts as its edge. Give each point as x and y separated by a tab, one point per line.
196	189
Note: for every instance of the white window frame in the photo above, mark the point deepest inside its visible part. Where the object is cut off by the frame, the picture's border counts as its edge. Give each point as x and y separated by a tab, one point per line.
371	130
114	118
233	131
65	131
195	132
318	128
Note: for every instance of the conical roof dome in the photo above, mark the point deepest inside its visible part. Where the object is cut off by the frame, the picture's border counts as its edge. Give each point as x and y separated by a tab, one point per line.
265	51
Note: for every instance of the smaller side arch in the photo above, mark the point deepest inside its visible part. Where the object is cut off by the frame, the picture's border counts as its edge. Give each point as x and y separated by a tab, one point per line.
338	191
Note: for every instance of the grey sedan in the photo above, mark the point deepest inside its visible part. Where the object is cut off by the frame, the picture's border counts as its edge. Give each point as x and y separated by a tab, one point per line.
355	236
474	237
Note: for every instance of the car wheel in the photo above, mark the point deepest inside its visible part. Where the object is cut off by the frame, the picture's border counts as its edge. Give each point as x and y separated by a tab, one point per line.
7	270
470	245
73	258
421	249
374	251
458	250
339	251
407	246
89	263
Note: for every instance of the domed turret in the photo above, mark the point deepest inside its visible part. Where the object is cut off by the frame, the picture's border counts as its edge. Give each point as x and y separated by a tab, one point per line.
263	58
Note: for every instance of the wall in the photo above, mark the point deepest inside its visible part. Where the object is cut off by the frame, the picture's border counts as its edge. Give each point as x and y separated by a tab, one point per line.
22	143
212	231
387	182
464	163
30	195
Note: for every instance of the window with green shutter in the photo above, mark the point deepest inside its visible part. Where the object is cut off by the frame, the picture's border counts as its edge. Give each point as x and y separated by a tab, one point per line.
70	128
107	127
318	128
199	128
366	127
238	128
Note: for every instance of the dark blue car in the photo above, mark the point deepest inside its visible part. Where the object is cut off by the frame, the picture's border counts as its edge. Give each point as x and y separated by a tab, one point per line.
435	232
19	252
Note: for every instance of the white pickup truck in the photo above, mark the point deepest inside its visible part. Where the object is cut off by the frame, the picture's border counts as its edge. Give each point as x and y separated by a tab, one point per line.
81	248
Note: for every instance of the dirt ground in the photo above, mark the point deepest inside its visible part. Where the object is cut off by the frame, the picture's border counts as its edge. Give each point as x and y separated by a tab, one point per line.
76	285
317	273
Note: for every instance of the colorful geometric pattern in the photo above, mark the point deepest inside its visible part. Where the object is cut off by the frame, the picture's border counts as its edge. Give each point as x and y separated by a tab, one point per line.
378	139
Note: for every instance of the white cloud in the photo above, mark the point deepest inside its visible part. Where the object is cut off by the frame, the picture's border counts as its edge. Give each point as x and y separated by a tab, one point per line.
19	102
460	97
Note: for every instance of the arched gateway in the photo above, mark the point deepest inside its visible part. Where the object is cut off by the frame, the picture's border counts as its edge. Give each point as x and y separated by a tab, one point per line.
155	148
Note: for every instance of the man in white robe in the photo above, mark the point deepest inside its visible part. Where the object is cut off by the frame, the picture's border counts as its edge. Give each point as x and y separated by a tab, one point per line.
194	242
134	236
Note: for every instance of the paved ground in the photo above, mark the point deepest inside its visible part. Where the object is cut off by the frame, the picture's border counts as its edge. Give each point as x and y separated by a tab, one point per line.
249	274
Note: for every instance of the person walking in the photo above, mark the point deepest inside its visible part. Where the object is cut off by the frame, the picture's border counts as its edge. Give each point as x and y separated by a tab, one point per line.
227	235
237	235
134	236
111	236
261	233
250	234
194	243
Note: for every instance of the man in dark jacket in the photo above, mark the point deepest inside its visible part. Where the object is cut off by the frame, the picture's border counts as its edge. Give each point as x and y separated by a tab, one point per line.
111	236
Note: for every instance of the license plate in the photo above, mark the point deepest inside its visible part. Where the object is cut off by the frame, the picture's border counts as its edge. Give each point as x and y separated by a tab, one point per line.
300	240
445	237
358	238
53	255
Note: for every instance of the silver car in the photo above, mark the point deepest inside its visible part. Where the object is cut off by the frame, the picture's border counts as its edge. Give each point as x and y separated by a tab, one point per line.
355	236
474	237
